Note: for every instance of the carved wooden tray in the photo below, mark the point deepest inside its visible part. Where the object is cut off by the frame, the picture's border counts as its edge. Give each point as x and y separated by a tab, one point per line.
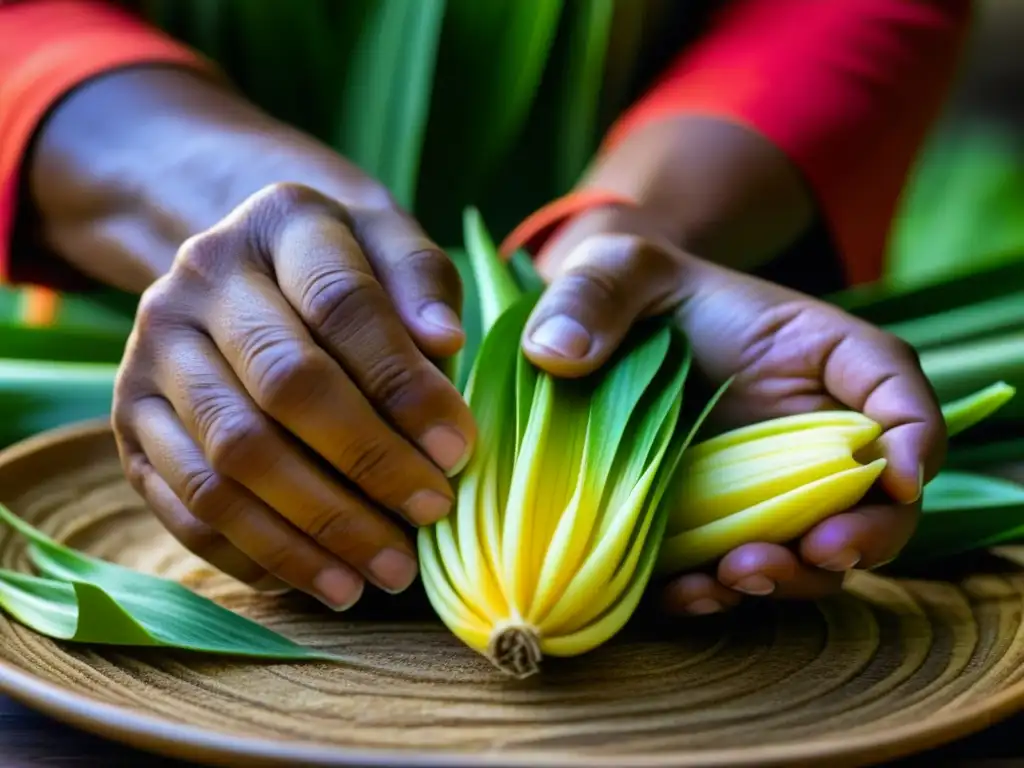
886	669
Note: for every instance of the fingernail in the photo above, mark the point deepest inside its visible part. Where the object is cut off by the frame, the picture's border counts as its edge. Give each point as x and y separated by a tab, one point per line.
843	561
426	507
755	585
563	336
447	448
394	571
338	589
920	485
442	316
704	606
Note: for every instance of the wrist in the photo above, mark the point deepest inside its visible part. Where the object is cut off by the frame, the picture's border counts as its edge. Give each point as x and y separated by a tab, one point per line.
137	161
708	186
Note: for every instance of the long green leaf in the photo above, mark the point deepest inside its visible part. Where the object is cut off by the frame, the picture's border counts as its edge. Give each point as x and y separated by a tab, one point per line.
388	81
36	395
89	600
492	58
968	323
959	369
71	345
965	512
987	454
964	413
884	304
495	285
962	207
583	79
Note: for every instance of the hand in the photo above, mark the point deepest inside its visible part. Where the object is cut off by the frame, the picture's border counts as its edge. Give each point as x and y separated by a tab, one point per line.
277	402
790	354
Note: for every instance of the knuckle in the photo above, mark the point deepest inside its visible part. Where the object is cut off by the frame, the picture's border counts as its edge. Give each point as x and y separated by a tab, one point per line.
333	530
197	538
346	296
201	259
203	493
276	556
286	198
592	280
134	466
374	196
155	308
364	460
902	350
610	257
288	376
391	381
234	438
432	261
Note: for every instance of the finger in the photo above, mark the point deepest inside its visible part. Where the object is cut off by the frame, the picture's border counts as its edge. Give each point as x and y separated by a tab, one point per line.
697	594
301	387
866	537
324	275
241	444
880	376
608	282
197	537
423	283
252	527
771	570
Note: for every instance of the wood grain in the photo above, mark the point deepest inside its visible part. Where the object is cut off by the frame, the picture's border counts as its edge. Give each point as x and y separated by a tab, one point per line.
31	740
887	668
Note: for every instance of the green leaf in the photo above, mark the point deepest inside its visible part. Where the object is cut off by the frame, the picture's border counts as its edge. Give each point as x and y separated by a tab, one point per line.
78	612
36	395
964	413
496	287
965	512
968	323
960	369
492	58
987	454
66	345
388	81
583	78
84	599
526	274
883	304
962	206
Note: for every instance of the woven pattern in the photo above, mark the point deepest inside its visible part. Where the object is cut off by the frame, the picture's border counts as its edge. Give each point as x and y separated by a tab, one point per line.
887	668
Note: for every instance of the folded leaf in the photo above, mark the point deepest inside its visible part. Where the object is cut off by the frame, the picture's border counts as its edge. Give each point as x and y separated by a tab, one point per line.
84	599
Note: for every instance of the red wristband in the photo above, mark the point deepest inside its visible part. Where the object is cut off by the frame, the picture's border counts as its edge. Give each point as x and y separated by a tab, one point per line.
541	225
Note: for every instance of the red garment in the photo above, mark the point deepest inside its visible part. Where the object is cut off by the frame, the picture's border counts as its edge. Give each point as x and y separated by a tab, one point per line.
846	88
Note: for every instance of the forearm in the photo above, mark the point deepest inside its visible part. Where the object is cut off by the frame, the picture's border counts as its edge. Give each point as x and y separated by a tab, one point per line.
709	186
785	112
135	162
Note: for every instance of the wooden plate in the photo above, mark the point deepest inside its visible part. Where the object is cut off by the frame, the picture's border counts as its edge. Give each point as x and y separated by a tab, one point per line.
888	668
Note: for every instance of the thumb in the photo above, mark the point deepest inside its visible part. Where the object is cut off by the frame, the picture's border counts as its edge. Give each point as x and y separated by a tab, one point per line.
606	283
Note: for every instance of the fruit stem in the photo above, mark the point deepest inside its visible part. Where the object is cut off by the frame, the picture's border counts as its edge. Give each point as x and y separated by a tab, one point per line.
515	650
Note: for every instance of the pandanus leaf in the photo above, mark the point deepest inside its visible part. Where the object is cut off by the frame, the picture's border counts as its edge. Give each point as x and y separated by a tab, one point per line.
83	599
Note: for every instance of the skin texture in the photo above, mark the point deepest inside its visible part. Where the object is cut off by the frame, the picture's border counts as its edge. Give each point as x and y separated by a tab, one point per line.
790	353
277	405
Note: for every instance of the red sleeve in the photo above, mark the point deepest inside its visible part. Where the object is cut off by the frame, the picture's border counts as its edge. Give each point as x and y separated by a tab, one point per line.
846	88
47	47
